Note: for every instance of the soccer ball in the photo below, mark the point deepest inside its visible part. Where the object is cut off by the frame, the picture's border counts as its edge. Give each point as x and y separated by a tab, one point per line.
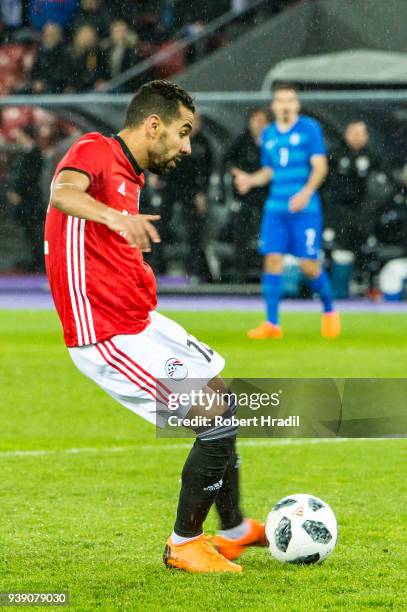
301	529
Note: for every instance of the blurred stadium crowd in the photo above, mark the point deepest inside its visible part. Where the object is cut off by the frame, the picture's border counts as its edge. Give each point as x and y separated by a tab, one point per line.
56	46
209	231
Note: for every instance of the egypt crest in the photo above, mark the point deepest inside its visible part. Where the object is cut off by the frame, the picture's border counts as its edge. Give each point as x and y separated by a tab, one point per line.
175	369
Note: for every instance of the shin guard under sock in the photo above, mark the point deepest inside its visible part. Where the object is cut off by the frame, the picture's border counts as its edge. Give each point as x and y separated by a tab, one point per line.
228	499
202	479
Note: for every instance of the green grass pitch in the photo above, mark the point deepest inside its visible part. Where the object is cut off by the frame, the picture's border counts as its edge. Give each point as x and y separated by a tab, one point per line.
94	521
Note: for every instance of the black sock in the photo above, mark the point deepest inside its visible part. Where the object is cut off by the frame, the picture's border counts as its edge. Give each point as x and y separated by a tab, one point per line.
228	499
202	478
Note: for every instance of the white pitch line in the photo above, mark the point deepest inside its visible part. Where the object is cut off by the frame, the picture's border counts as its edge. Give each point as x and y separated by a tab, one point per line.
179	445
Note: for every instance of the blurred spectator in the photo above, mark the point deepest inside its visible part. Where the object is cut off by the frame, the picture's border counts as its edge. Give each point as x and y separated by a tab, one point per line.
391	216
192	11
60	12
52	65
121	51
147	18
88	63
188	185
351	165
11	13
93	12
245	155
24	193
192	17
391	234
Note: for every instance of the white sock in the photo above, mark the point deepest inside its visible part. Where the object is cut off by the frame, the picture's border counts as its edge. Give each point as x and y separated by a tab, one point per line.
236	532
180	540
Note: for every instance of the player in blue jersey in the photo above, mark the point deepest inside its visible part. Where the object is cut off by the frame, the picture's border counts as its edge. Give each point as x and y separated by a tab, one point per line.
294	162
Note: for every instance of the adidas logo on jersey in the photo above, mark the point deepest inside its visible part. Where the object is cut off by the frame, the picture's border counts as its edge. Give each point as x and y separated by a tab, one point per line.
122	189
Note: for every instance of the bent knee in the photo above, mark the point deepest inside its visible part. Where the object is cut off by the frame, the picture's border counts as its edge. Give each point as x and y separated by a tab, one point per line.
273	263
310	267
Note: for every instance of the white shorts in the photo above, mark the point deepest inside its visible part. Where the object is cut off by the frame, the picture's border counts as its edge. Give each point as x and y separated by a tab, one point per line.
141	370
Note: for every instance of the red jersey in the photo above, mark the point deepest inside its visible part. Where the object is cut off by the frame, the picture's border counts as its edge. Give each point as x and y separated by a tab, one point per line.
100	285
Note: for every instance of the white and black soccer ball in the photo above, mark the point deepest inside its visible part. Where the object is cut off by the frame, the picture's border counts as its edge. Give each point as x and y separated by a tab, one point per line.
301	529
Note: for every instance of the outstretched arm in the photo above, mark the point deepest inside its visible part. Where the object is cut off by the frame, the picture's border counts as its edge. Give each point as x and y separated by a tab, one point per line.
244	181
69	195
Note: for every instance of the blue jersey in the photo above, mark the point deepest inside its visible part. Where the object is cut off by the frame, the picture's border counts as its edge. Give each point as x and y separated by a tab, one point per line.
289	154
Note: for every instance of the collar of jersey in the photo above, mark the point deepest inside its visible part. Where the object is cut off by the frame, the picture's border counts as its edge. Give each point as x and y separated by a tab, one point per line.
294	125
129	155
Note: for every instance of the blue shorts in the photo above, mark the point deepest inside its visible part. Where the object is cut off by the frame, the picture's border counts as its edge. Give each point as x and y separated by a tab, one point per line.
296	233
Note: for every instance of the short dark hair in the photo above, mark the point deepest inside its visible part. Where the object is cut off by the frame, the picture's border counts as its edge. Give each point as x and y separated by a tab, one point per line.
159	97
284	87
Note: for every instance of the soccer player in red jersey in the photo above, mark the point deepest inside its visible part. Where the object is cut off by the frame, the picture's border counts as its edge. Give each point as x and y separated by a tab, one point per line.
105	295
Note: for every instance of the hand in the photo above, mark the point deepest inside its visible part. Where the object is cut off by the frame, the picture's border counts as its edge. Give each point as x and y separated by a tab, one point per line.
201	204
300	200
242	181
137	229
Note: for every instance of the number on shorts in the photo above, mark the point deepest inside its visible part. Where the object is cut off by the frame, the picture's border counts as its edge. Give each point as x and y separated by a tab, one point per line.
205	351
283	156
310	234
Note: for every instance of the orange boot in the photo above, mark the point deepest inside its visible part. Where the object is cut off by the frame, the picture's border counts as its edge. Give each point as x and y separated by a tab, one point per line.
265	330
197	556
330	324
232	549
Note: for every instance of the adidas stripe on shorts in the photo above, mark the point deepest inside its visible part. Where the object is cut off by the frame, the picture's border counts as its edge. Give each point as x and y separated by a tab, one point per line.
141	370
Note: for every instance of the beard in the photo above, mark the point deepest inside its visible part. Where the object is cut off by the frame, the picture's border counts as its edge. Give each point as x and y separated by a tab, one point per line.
160	163
162	166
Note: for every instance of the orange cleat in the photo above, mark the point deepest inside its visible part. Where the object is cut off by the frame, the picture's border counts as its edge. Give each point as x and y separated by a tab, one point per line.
265	330
232	549
330	324
197	556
